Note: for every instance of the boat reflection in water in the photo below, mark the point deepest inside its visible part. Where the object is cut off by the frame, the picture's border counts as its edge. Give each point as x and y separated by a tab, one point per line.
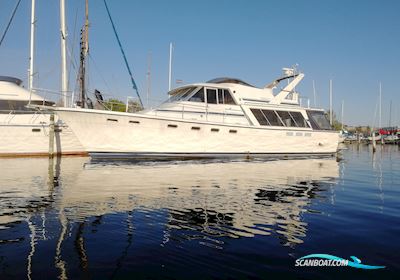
203	202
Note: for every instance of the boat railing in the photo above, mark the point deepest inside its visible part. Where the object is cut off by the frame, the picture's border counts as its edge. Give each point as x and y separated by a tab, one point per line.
7	116
304	102
16	112
52	95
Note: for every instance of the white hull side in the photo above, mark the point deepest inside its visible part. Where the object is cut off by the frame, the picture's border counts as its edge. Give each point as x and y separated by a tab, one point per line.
28	135
111	132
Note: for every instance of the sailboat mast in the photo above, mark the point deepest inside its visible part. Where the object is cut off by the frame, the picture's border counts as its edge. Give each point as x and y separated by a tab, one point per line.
342	114
380	105
32	46
64	72
84	51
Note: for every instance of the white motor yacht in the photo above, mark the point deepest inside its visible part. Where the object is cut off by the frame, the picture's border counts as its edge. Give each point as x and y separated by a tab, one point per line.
224	117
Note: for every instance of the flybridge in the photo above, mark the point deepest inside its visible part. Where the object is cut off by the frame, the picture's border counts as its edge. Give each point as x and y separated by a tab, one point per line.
241	91
10	80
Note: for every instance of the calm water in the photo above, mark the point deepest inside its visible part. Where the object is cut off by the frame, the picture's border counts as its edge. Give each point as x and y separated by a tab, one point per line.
78	219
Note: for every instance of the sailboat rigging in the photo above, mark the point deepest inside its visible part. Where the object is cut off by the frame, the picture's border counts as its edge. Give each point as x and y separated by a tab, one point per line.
123	55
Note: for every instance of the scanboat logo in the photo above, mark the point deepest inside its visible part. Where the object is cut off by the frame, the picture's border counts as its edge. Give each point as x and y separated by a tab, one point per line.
330	260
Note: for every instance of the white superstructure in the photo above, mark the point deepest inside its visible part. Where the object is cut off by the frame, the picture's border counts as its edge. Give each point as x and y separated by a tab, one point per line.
221	118
24	132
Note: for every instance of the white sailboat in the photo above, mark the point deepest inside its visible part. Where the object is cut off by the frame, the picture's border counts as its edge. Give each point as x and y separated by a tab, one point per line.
221	118
23	131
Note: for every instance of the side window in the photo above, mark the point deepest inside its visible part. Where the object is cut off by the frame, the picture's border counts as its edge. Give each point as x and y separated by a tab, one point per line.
259	116
286	118
14	105
279	118
299	119
228	98
272	118
198	97
211	96
224	97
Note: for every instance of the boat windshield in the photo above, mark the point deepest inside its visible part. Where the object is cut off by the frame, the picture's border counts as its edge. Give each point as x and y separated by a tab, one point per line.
318	120
181	94
20	106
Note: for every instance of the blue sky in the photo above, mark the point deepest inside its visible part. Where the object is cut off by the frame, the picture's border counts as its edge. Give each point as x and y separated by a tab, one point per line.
355	43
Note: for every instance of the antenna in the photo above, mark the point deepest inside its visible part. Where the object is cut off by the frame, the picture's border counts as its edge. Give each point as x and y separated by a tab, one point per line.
148	77
315	94
170	67
330	103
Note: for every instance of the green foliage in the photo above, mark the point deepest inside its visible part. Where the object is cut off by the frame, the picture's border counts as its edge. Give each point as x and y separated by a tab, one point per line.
114	104
134	106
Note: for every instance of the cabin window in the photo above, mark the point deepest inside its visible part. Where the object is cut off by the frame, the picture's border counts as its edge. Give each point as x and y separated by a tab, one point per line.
286	118
272	117
299	119
279	118
228	98
198	97
225	97
211	96
260	117
318	120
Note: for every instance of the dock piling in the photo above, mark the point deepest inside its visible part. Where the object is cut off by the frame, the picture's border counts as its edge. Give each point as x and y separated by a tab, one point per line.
51	137
373	143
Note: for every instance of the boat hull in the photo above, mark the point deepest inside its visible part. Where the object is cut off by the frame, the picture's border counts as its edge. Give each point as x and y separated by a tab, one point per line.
118	135
25	135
